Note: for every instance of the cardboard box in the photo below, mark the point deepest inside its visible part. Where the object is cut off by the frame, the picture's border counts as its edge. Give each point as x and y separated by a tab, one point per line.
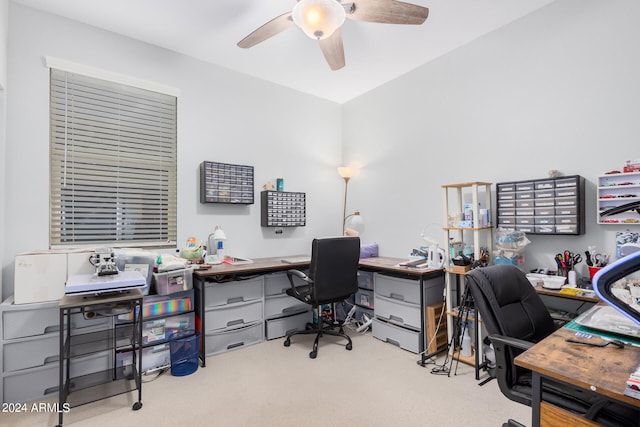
460	269
39	277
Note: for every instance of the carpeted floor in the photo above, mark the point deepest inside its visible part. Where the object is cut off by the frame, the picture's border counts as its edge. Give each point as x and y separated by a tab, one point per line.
267	384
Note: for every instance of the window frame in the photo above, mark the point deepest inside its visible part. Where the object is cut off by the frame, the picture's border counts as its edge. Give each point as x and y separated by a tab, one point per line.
136	188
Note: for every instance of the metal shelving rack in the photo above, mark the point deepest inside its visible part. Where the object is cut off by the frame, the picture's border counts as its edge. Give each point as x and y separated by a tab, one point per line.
80	390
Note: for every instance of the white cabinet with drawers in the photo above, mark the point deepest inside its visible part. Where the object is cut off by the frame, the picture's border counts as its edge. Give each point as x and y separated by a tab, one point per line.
399	308
31	349
233	314
282	313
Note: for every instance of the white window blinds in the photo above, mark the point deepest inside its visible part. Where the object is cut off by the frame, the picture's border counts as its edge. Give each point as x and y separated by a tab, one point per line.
113	163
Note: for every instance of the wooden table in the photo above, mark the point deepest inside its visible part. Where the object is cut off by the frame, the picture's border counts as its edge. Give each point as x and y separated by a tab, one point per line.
603	370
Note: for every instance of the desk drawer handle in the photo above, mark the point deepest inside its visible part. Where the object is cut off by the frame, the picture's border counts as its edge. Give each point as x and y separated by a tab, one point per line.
235	322
51	390
235	299
396	319
49	329
394	342
397	296
239	344
51	359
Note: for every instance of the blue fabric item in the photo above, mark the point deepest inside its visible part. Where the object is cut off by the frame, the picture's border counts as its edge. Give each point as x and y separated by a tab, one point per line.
368	250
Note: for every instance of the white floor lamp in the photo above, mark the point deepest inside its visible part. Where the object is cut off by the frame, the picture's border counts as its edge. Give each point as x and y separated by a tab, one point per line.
356	219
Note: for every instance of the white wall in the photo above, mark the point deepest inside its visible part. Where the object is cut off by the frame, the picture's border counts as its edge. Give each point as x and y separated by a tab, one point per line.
555	90
4	36
558	89
222	116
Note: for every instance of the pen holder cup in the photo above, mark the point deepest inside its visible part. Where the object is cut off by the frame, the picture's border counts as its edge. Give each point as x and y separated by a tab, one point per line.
593	271
184	348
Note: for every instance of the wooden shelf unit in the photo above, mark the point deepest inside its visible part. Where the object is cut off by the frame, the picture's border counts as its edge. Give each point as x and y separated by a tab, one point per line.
454	198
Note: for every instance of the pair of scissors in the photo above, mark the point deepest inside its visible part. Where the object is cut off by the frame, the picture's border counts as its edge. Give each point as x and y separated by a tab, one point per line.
577	259
571	259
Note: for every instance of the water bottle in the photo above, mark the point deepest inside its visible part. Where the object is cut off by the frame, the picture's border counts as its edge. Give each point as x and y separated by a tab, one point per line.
465	347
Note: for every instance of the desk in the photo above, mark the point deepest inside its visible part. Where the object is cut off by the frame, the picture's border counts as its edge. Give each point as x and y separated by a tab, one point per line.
226	272
390	266
259	266
600	369
569	306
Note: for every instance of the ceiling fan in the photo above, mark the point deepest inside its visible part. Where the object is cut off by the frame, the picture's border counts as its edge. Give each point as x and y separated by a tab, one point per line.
322	19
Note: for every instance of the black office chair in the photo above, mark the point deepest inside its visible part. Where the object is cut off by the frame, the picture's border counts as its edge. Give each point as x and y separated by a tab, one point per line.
516	318
333	277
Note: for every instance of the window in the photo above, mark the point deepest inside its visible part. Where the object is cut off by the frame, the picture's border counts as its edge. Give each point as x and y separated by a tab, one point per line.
112	163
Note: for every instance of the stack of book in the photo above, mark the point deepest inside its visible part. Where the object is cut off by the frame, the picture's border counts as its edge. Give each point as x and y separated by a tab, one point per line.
633	384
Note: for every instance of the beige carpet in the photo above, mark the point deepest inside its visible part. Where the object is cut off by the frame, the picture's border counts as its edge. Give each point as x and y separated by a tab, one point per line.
375	384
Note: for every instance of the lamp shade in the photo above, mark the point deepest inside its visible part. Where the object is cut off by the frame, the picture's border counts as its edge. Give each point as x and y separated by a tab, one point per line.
345	171
318	18
353	224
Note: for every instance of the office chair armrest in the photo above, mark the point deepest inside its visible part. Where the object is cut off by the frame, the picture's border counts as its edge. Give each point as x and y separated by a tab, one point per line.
510	342
300	275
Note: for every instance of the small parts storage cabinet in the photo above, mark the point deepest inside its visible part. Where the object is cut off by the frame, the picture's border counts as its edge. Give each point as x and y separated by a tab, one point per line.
542	206
30	350
283	209
619	198
81	389
399	308
282	313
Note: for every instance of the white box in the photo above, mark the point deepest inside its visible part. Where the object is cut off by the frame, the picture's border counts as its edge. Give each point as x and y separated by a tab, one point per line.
39	277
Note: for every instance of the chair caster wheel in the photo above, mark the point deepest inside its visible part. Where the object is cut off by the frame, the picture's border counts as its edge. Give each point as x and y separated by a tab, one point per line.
313	354
287	342
137	406
349	346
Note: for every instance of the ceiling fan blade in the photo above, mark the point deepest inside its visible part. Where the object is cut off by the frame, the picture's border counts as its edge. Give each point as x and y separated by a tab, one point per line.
270	29
387	12
333	50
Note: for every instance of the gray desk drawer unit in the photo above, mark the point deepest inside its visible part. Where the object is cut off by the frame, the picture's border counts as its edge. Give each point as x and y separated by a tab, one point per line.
233	314
399	317
30	350
282	313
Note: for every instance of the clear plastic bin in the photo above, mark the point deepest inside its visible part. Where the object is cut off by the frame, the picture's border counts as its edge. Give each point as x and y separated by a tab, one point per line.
173	281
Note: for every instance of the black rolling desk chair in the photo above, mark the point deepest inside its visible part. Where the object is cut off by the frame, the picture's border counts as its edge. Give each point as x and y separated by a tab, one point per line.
516	318
333	277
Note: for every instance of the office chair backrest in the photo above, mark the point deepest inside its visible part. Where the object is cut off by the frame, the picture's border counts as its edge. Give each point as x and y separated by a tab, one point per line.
334	267
508	304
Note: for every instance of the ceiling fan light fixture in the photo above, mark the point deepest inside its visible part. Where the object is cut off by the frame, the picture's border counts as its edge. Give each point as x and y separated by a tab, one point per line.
318	19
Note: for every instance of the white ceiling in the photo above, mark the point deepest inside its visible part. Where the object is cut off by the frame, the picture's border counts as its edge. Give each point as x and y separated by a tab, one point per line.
375	53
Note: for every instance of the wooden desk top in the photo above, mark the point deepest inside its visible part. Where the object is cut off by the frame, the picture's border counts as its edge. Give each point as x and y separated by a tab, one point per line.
261	265
604	370
391	264
586	296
